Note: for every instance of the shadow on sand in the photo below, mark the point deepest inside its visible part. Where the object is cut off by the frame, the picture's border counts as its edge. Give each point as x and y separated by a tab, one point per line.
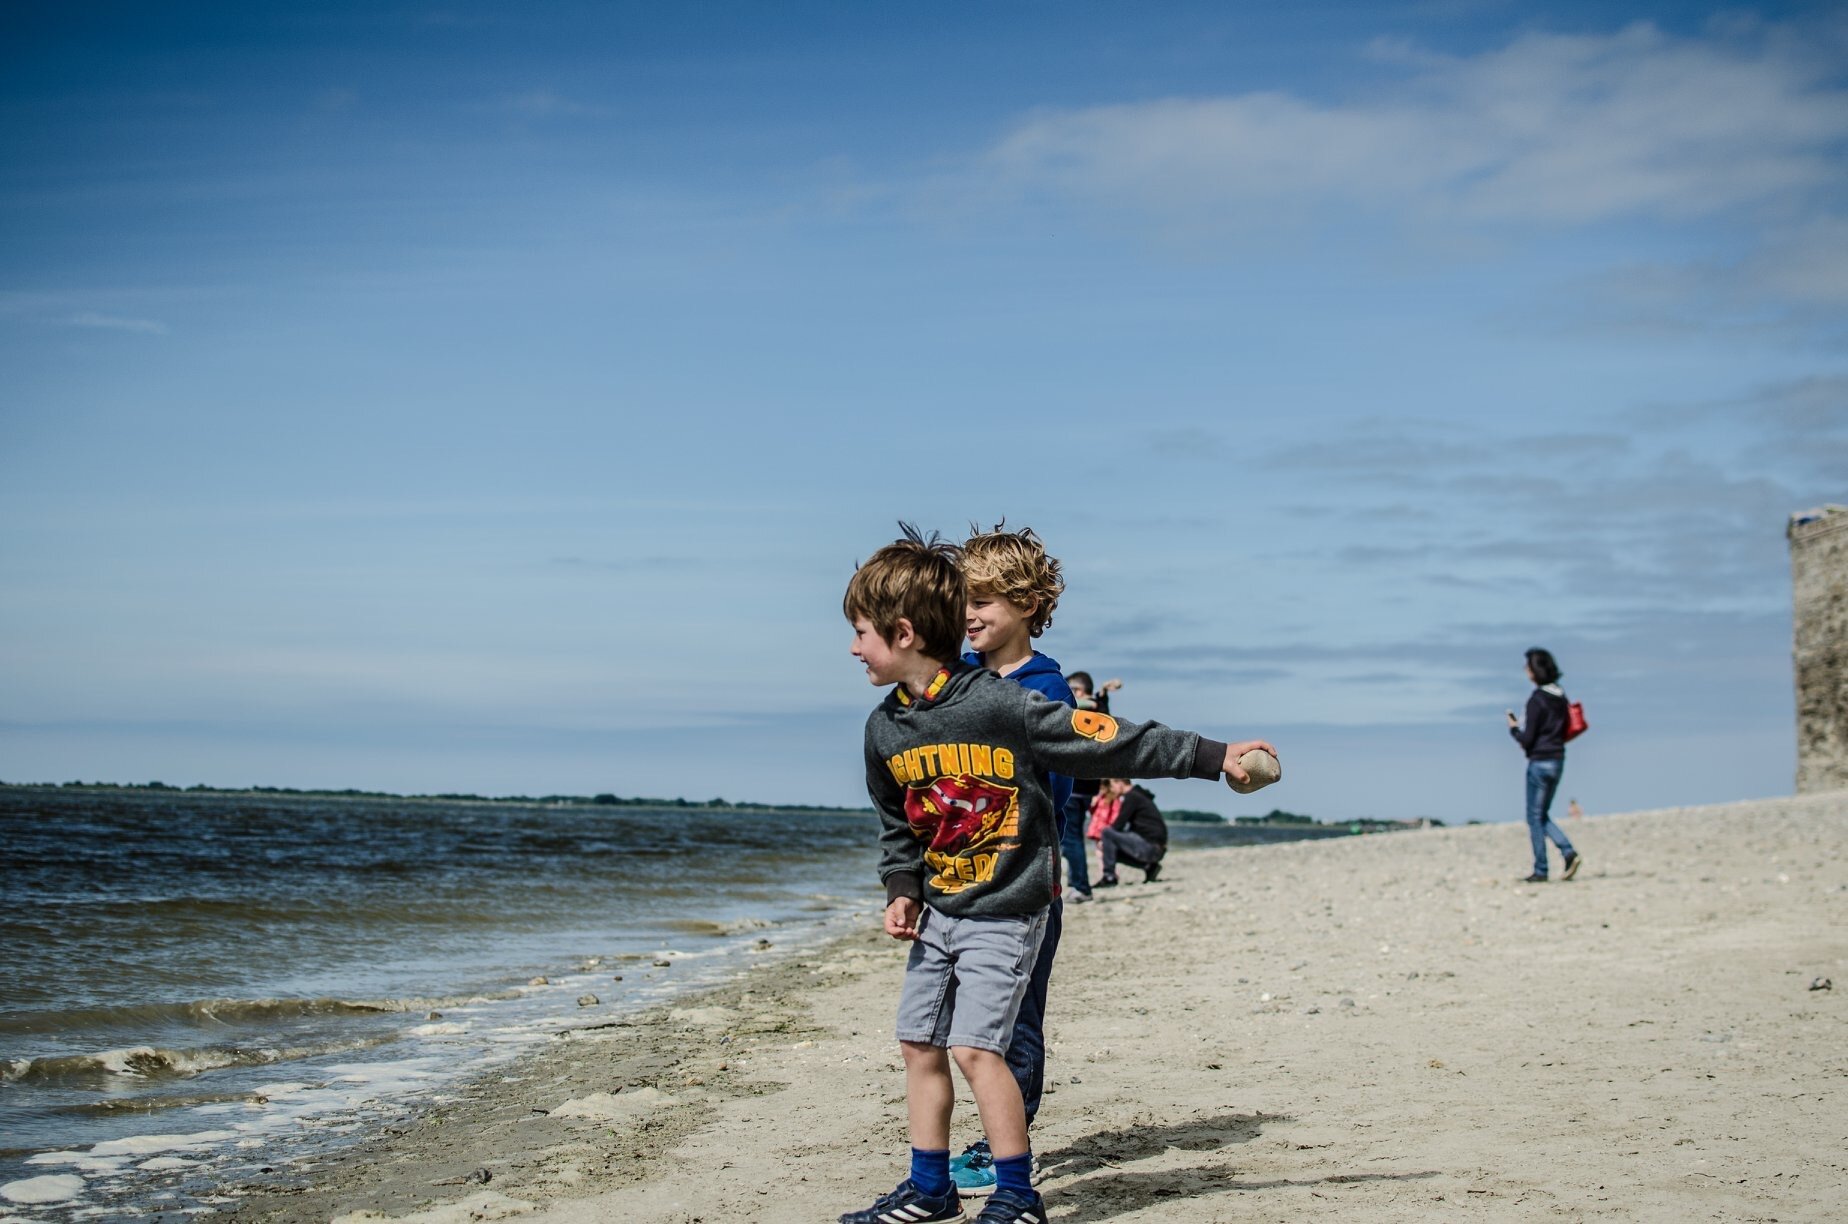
1105	1190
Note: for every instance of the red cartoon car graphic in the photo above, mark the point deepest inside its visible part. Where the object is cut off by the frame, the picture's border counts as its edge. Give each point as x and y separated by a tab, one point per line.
961	814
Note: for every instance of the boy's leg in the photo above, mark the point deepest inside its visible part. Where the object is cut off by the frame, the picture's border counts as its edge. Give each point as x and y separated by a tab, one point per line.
997	1099
1026	1047
927	1194
1004	1120
925	1007
996	959
930	1095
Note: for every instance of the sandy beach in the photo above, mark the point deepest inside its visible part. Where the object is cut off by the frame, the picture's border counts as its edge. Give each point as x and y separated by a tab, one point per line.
1383	1028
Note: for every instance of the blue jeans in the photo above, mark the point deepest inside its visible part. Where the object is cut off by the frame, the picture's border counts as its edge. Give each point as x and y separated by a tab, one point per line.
1026	1050
1071	844
1542	781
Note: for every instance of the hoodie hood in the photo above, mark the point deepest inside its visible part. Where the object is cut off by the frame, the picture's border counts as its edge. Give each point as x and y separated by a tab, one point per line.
1040	673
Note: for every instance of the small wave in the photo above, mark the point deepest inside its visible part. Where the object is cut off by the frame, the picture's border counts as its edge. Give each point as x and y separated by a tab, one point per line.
718	929
153	1062
111	1106
202	1013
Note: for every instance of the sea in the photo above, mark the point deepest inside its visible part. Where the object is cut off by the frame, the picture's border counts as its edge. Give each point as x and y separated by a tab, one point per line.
205	989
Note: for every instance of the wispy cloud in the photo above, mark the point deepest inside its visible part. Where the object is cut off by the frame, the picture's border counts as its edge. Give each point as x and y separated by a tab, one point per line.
109	322
1648	517
1550	129
629	565
546	104
1793	281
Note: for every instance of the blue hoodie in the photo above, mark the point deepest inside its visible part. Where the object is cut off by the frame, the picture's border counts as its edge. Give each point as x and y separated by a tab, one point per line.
1042	675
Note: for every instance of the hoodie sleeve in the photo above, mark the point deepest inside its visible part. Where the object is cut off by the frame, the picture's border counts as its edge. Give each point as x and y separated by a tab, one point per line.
901	854
1529	730
1090	744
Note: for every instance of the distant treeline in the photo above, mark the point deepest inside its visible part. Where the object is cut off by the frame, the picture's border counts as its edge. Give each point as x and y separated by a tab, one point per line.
1191	816
1364	824
1274	817
602	800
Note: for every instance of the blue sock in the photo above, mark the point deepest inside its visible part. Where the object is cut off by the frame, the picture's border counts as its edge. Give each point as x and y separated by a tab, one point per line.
1015	1174
930	1171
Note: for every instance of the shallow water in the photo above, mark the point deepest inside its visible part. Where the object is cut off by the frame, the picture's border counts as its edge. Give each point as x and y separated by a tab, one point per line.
197	984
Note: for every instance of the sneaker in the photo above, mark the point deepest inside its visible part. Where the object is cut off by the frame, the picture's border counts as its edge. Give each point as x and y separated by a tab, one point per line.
1535	878
1152	873
1079	898
1572	865
1108	881
908	1205
973	1170
1004	1207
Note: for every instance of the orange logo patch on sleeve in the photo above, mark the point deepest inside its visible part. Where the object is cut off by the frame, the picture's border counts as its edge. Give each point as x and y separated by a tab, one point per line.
1094	725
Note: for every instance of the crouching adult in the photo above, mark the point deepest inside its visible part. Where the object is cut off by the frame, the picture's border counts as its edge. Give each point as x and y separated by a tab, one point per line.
1139	837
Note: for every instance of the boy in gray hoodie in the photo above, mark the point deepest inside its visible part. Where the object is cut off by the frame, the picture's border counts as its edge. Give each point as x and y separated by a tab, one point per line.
956	764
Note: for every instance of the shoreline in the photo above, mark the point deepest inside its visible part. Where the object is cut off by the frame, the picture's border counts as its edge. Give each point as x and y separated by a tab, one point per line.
591	1111
1387	1027
548	802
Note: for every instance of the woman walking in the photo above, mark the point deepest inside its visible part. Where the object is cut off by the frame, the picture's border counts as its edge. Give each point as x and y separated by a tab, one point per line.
1544	741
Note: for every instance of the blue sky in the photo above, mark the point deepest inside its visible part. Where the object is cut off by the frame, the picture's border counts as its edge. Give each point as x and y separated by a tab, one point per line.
497	398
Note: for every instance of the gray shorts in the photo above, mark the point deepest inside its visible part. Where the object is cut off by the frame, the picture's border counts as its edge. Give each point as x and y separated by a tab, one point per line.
966	978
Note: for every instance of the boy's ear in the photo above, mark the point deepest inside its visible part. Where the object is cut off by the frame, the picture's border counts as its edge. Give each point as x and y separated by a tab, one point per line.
903	635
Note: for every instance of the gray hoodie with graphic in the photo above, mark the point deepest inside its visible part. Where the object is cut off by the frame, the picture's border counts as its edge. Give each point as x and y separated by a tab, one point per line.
960	783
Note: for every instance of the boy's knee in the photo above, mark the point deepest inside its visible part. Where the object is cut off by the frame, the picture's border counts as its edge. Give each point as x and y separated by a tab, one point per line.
973	1061
921	1052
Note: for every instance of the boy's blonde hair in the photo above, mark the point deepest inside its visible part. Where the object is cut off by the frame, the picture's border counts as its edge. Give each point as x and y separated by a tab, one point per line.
1014	566
919	580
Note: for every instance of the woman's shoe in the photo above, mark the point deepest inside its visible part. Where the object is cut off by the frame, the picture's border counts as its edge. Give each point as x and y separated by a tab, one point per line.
1572	866
1535	878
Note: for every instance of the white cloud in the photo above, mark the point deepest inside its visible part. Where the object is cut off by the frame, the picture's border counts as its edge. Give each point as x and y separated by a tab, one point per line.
108	322
546	104
1550	129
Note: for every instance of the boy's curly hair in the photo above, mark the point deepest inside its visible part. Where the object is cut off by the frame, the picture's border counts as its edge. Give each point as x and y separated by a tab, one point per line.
1014	566
918	579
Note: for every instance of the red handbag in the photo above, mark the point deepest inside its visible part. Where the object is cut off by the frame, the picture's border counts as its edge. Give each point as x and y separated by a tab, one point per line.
1575	720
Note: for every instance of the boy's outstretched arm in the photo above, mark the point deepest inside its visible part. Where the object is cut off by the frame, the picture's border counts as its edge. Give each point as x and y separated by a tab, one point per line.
1089	744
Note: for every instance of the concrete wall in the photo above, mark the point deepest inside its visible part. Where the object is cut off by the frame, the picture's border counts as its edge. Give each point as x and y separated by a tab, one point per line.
1819	589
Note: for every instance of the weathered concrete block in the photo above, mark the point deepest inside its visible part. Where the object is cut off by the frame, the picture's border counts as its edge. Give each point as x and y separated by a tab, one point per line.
1819	597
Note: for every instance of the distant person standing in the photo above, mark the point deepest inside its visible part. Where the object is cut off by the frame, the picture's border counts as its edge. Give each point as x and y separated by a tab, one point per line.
1543	738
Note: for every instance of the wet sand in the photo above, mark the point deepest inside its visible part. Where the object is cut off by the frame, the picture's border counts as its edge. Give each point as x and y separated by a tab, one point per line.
1379	1028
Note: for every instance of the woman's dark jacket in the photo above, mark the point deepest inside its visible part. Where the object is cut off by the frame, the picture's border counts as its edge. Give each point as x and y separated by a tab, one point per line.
1543	734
